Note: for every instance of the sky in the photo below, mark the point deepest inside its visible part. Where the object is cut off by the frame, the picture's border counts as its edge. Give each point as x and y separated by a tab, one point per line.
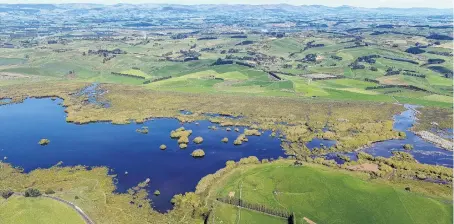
357	3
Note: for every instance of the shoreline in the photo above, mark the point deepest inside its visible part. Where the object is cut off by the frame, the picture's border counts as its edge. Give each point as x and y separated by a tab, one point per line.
436	140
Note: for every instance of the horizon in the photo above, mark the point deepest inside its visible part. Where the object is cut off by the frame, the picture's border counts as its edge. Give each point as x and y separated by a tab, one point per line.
400	4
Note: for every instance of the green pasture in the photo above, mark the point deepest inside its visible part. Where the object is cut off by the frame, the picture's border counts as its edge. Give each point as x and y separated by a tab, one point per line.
326	195
22	210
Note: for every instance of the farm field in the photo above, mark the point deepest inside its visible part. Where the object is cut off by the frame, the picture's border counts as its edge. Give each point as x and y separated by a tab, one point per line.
19	209
325	195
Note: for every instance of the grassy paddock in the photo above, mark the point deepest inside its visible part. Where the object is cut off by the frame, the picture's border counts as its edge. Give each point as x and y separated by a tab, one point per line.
19	209
327	195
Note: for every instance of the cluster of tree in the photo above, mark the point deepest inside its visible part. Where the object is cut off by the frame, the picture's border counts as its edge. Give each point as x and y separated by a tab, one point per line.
255	207
311	44
190	53
127	75
276	34
157	79
355	65
435	61
310	58
239	36
335	57
442	70
32	192
220	61
415	50
207	49
274	76
179	36
402	59
387	26
190	59
391	71
368	58
207	38
246	42
410	87
6	193
414	74
371	80
105	53
243	58
435	36
448	54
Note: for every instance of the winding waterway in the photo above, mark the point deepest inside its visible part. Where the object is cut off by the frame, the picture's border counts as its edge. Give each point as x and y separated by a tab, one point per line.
423	152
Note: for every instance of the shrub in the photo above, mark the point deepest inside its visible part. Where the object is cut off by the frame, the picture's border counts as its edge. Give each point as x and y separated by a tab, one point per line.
225	140
408	146
240	139
249	160
198	140
7	193
183	146
76	197
249	132
198	153
163	147
402	135
183	139
49	191
44	141
230	163
328	135
414	50
143	130
421	176
157	192
32	192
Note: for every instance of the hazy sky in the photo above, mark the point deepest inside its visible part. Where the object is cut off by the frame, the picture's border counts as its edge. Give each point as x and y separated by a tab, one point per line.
359	3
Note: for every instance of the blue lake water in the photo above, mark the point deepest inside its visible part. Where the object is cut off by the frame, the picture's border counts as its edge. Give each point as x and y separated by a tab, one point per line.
121	148
319	143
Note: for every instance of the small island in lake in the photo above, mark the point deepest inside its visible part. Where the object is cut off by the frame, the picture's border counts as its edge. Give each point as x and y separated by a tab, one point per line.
198	153
44	141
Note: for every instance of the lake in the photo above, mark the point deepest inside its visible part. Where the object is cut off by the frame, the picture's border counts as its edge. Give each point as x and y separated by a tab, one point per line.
121	148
